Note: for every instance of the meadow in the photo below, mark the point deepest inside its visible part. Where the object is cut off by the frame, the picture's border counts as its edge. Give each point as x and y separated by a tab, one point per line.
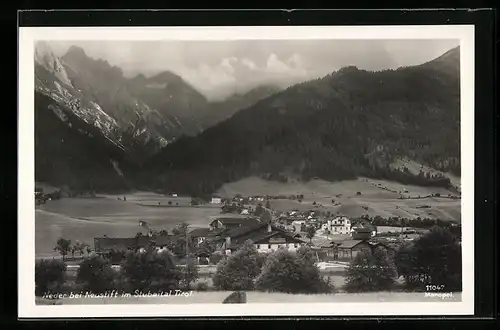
377	197
82	219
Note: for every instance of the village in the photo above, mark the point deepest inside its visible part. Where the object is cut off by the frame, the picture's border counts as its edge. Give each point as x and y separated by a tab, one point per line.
335	242
333	238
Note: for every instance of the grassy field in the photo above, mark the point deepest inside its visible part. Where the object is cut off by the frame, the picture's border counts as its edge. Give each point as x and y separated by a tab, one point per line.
377	197
215	297
85	218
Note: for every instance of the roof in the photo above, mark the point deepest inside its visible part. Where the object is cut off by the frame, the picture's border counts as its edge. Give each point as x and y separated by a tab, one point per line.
360	223
259	235
162	240
244	230
200	232
363	229
237	220
115	243
350	243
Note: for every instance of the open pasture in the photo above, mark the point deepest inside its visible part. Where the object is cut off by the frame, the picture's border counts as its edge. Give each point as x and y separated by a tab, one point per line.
376	197
83	219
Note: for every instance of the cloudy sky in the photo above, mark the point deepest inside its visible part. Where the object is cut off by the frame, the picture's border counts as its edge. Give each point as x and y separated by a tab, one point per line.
220	68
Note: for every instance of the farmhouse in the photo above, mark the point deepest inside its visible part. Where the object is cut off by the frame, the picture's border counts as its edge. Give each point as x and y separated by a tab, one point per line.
264	236
349	249
200	234
108	244
363	226
231	222
216	200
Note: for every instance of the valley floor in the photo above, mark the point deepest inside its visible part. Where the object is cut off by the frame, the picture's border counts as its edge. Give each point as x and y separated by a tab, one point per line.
84	218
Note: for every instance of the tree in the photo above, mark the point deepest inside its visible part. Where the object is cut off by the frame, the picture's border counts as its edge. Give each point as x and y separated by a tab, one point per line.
259	210
434	259
151	270
63	246
370	272
189	272
169	202
268	205
49	275
292	272
96	275
303	227
238	271
80	247
205	248
265	217
311	231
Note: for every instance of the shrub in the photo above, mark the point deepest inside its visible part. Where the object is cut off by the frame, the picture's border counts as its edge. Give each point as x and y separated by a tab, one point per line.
202	286
216	257
371	272
189	272
49	275
150	270
434	258
292	272
238	271
96	275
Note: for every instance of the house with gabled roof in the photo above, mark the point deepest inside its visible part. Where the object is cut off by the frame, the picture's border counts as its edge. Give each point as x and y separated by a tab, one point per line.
104	245
232	222
264	236
199	234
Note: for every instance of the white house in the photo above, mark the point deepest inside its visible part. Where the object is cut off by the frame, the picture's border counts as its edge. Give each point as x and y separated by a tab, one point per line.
340	225
216	200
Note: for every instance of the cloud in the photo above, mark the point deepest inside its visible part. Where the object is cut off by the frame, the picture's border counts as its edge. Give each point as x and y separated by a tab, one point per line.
235	75
275	65
249	63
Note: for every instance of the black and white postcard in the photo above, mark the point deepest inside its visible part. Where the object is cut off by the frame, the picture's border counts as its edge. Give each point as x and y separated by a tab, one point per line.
246	171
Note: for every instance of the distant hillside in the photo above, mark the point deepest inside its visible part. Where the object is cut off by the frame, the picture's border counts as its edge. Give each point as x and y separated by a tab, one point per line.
222	110
377	197
348	124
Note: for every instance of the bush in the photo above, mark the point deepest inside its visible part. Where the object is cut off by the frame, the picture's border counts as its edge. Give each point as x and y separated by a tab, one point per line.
202	286
150	270
371	272
49	276
189	272
238	271
96	275
292	272
216	257
433	259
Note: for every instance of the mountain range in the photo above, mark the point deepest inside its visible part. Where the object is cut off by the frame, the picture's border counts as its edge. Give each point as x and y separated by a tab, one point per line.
135	117
160	133
348	124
